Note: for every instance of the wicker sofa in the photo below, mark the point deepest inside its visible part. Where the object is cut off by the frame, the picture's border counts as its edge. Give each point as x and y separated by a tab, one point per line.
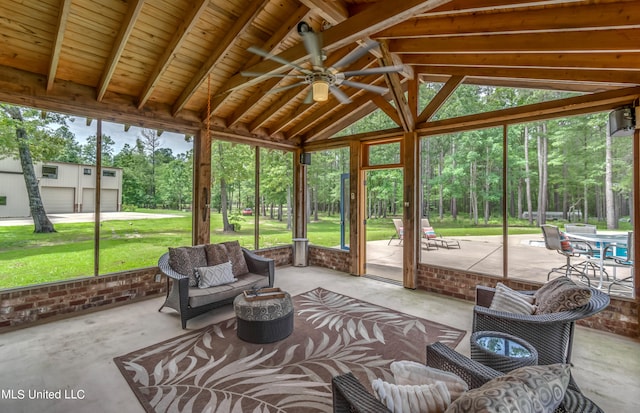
550	334
349	395
191	301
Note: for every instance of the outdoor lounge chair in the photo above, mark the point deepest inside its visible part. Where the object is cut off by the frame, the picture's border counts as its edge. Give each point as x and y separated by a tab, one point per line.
399	231
349	395
436	239
551	334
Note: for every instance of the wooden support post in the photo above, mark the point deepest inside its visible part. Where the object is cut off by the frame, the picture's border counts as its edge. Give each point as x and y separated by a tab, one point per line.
412	232
357	239
300	196
636	208
201	188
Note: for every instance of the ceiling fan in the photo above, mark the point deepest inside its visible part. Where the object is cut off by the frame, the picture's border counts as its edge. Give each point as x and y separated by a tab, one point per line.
324	79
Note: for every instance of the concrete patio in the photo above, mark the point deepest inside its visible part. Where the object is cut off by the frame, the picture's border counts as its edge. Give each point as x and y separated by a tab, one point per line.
76	354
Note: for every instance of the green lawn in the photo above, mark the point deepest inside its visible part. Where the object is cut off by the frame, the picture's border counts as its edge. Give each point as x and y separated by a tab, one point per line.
27	258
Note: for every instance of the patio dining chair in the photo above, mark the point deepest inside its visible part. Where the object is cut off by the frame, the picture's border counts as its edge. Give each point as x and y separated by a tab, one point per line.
556	241
399	231
617	256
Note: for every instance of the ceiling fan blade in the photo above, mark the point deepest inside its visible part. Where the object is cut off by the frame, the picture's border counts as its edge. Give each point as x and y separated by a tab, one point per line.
257	74
275	58
373	71
340	95
282	88
309	98
312	44
371	88
356	54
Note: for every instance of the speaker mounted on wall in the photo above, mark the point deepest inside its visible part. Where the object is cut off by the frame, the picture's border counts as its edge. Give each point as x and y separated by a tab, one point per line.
305	158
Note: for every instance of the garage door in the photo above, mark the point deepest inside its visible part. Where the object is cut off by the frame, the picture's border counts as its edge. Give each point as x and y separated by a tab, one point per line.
57	200
108	200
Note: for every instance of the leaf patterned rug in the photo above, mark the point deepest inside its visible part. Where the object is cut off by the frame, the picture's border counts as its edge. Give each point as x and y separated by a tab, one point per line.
211	370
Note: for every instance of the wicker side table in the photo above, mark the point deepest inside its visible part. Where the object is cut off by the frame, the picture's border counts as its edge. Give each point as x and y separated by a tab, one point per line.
264	321
501	351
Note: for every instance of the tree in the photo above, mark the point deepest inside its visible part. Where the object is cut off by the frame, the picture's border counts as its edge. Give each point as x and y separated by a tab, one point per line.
151	142
29	129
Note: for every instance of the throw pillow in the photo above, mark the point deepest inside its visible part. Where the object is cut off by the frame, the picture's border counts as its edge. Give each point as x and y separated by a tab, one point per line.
537	389
426	398
561	294
185	259
511	301
216	254
236	256
413	373
565	243
429	232
216	275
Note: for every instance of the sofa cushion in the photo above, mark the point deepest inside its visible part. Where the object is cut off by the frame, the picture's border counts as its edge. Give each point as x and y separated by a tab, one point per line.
203	296
184	260
236	256
561	294
215	275
511	301
411	372
425	398
216	254
537	389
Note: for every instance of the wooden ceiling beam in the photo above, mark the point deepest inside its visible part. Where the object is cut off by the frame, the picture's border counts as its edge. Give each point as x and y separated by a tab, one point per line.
438	100
544	110
623	40
339	120
333	11
185	27
562	17
576	61
240	24
387	108
133	12
616	77
63	17
407	119
359	26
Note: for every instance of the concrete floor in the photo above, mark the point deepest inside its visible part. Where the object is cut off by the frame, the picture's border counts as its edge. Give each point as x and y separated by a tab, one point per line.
76	354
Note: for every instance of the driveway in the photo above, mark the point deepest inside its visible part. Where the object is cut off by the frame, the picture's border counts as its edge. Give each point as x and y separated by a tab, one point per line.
86	217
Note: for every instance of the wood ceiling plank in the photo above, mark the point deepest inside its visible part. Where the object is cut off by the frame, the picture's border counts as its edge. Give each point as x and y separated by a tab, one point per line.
623	40
240	24
578	61
438	100
562	17
121	41
177	41
333	11
357	27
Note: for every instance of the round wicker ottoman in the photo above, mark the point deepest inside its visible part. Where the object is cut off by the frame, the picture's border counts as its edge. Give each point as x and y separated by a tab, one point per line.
264	321
501	351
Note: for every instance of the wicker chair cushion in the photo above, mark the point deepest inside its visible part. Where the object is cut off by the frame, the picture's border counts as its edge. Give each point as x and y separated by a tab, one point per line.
410	372
184	260
561	294
215	275
511	301
426	398
236	257
528	389
216	254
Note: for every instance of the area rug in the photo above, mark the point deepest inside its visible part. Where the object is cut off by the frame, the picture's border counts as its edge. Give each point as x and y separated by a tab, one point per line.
211	370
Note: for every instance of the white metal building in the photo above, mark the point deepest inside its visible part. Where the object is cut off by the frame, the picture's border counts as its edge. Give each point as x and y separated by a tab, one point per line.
64	188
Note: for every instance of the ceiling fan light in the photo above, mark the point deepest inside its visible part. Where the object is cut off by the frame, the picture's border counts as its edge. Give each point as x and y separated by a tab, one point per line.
320	90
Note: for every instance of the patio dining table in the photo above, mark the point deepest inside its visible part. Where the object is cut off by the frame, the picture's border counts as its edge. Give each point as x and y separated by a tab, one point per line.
601	242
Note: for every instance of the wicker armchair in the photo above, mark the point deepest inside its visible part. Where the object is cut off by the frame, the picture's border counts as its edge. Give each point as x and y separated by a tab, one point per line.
550	334
349	395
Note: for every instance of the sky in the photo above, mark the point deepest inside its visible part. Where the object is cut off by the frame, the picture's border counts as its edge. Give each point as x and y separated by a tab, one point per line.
116	131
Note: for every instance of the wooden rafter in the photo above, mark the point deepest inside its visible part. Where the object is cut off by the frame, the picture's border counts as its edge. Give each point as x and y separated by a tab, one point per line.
176	42
333	11
387	108
128	24
63	17
239	25
438	100
407	119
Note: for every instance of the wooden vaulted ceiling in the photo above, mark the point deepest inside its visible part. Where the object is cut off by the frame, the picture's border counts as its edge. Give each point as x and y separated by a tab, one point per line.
175	64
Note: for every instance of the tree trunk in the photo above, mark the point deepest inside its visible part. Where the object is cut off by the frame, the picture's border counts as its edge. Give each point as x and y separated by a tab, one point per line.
289	208
527	175
612	222
41	222
226	227
542	171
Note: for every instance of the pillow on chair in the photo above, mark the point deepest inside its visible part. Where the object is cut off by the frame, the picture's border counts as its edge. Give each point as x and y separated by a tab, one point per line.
561	294
511	301
216	275
426	398
410	372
